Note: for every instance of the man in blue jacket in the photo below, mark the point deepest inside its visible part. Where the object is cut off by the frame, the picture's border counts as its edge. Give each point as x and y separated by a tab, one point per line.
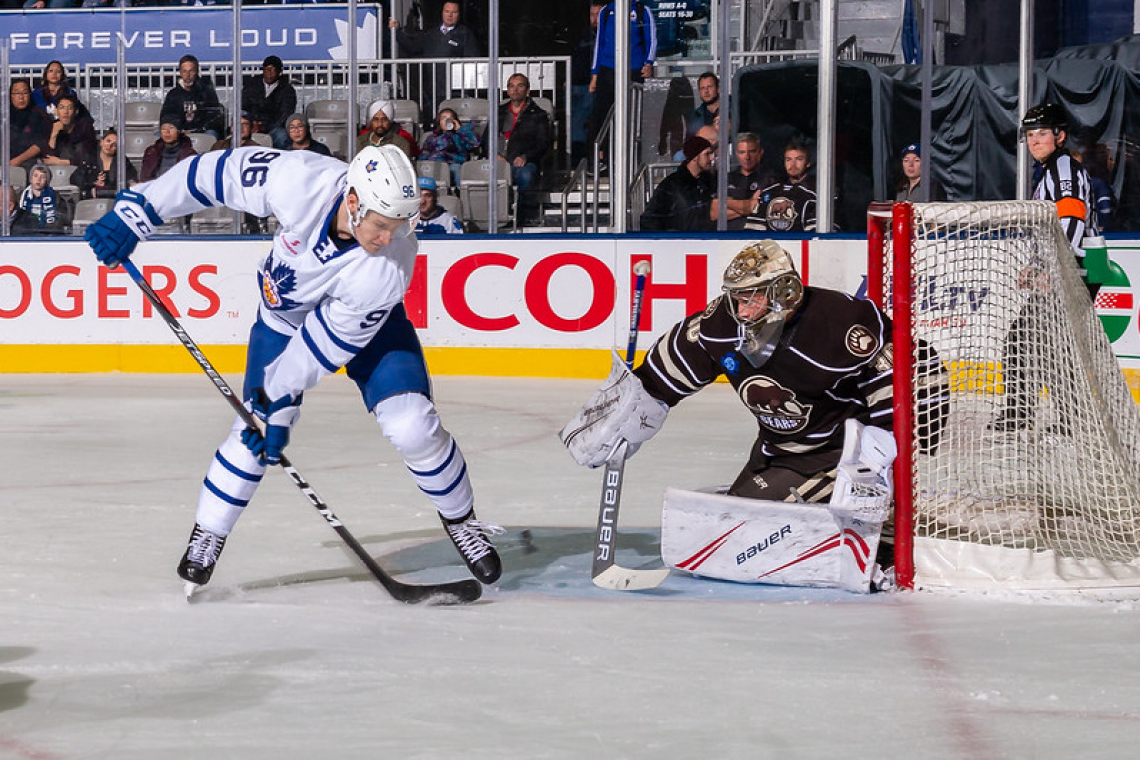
642	53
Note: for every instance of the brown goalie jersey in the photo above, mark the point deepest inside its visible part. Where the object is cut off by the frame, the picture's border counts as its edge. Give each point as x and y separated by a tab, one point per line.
832	362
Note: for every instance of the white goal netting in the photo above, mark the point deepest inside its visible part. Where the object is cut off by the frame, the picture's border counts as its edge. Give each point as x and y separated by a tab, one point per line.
1035	479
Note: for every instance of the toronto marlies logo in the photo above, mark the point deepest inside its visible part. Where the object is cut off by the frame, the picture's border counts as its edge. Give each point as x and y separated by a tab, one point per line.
775	406
277	281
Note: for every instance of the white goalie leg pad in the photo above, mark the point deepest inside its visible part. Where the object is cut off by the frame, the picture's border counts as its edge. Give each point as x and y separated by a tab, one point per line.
411	423
774	542
863	480
231	481
620	410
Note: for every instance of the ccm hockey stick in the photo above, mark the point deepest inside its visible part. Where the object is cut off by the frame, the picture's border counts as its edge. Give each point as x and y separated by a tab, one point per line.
605	573
454	592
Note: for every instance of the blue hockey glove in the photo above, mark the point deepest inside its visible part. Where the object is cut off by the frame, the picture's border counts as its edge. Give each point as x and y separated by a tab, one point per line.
115	235
278	417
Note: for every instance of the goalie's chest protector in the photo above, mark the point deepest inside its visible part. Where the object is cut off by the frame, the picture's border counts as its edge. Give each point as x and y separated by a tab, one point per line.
811	381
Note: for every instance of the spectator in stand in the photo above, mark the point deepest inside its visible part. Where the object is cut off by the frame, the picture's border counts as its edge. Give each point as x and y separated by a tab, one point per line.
910	186
582	101
270	99
708	89
1098	162
642	53
40	201
300	138
20	222
787	206
746	182
448	40
30	126
99	178
434	219
171	147
246	135
193	101
451	141
54	85
382	130
524	135
72	138
683	199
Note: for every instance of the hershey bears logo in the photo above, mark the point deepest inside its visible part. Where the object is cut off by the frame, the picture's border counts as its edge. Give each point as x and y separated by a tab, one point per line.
860	342
775	406
781	214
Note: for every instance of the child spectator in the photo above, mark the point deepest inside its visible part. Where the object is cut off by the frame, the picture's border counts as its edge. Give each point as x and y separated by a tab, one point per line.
434	219
40	201
451	141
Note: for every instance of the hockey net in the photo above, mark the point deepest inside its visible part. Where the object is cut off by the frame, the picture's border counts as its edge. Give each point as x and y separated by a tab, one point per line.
1019	441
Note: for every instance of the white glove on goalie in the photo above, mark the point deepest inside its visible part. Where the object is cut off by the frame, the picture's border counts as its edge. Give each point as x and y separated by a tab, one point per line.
863	480
620	410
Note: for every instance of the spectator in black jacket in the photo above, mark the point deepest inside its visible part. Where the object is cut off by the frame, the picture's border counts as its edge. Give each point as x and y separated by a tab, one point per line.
270	99
30	126
683	199
524	132
99	178
448	40
193	101
72	140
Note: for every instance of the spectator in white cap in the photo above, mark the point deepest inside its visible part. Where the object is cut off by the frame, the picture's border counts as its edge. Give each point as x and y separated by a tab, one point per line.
382	130
434	219
909	187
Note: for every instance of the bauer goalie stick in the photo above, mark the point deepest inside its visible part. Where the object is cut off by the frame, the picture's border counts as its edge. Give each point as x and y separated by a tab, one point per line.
452	592
605	572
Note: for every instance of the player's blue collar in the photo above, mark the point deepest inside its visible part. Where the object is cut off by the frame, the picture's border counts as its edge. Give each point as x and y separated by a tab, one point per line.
339	243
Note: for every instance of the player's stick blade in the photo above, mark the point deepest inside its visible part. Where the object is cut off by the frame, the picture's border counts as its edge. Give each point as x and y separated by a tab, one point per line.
618	578
189	588
454	592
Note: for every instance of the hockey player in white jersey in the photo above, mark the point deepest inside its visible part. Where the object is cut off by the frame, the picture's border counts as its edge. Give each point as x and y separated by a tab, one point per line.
332	290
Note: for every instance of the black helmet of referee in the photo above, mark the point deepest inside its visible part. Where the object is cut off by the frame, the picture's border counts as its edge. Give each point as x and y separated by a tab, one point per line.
1045	116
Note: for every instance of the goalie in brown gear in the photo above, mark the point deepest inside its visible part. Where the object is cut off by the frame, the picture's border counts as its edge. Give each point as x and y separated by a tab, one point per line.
802	359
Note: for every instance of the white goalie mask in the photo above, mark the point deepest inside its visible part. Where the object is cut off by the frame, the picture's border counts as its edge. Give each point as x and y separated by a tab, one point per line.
385	182
765	271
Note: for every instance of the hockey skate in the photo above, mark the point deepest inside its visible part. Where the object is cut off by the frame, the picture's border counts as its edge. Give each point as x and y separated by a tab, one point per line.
472	539
201	555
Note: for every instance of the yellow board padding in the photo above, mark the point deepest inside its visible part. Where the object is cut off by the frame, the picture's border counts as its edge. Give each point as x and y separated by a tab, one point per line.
174	358
988	377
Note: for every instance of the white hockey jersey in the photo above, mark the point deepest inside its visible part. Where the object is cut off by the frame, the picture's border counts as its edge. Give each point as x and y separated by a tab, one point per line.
331	298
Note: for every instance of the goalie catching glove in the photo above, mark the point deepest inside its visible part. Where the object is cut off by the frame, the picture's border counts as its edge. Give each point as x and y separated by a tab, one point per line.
115	235
621	410
279	417
863	482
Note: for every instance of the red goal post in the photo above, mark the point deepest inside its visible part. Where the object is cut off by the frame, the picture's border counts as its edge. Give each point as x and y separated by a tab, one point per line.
1028	477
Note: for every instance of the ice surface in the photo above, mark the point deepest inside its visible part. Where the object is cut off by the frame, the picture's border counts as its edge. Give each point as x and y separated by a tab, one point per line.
293	652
